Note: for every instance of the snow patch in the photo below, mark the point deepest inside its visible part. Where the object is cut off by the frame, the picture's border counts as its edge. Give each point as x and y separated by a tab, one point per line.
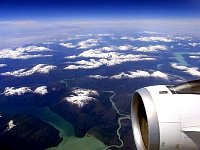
88	44
23	52
104	58
9	91
3	65
42	90
82	97
67	45
133	74
40	68
10	125
152	48
194	44
192	71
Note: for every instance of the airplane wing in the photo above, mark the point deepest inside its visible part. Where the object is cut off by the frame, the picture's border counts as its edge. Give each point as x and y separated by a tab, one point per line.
193	133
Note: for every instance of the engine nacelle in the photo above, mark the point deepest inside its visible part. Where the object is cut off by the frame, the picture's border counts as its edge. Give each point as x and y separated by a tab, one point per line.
167	117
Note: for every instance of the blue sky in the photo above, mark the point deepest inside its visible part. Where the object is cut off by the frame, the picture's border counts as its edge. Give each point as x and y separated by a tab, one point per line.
98	9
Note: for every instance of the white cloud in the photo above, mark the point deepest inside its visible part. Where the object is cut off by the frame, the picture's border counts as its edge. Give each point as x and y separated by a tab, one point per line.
183	38
195	57
88	44
40	68
9	91
82	97
149	39
140	73
42	90
105	34
194	44
126	47
16	91
32	49
85	92
10	125
23	52
98	77
149	32
180	44
192	71
179	67
104	58
111	48
133	74
83	64
48	43
158	74
152	48
3	65
68	45
127	38
155	39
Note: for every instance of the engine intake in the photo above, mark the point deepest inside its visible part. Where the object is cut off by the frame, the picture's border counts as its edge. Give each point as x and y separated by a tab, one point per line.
167	117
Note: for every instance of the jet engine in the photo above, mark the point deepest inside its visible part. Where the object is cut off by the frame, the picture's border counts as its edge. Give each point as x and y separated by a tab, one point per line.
167	117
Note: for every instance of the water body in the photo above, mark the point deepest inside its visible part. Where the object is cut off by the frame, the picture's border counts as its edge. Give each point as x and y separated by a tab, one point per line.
122	117
69	142
180	58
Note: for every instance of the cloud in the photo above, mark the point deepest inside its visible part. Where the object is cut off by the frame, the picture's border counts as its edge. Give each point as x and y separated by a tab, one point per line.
40	68
81	97
180	44
42	90
133	74
68	45
88	44
10	125
159	74
33	49
48	43
105	34
82	44
195	57
149	32
3	65
126	38
183	38
23	52
154	39
83	64
98	77
152	48
192	71
106	48
149	39
194	44
126	47
104	58
140	73
9	91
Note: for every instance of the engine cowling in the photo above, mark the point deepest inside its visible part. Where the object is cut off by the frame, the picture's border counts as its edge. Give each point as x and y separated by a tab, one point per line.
167	117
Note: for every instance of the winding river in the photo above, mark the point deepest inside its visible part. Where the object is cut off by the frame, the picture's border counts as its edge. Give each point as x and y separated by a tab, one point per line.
122	117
